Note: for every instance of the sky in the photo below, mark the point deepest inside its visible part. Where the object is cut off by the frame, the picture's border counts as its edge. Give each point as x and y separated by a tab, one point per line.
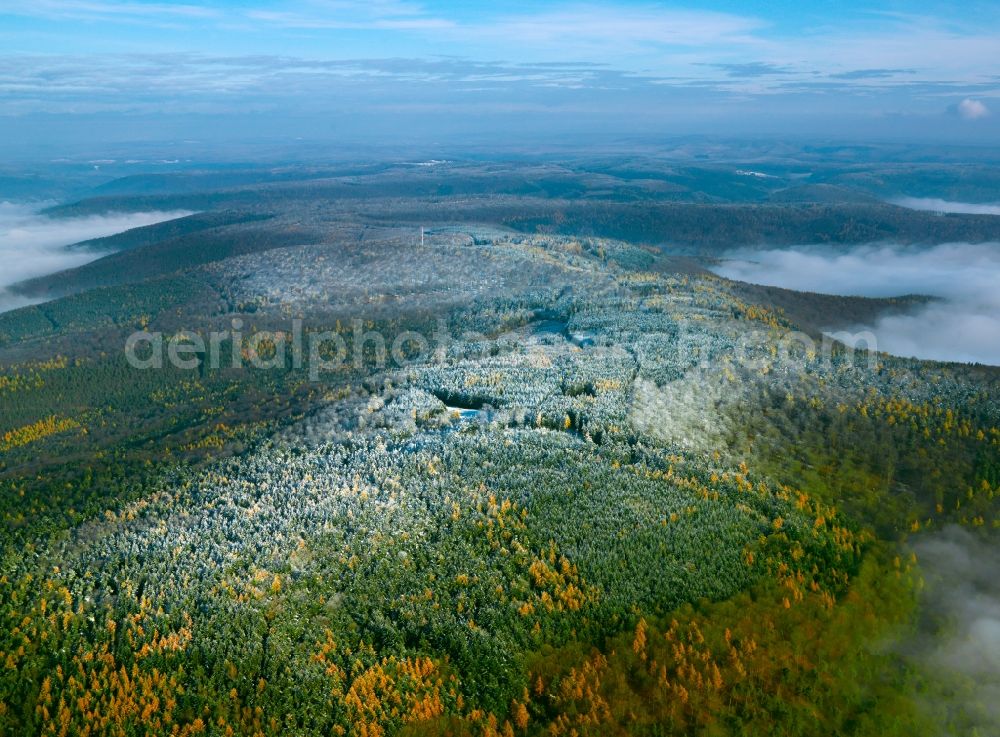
74	71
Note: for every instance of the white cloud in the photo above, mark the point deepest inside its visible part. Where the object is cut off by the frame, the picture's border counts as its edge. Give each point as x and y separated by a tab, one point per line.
386	15
933	204
33	245
330	14
964	325
617	26
107	10
970	109
959	639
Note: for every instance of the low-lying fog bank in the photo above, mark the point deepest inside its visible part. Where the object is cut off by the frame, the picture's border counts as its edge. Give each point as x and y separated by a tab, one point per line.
32	244
932	204
964	325
959	640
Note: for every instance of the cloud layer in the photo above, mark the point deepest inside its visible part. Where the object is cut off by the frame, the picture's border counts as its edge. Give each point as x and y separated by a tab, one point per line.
963	326
371	60
33	245
970	109
962	595
932	204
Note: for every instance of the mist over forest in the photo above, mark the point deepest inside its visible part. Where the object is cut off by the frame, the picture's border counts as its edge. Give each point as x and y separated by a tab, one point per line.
963	324
560	369
33	244
961	629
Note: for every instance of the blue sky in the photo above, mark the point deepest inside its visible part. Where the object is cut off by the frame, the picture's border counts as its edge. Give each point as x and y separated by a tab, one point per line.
394	67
